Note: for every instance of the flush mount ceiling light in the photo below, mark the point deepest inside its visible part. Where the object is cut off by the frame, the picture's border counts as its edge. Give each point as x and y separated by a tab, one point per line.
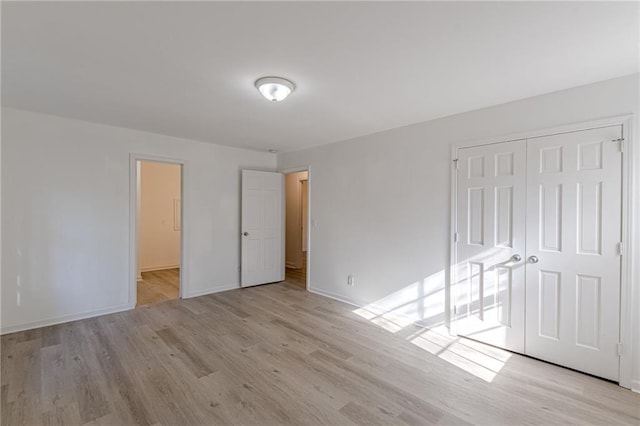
274	89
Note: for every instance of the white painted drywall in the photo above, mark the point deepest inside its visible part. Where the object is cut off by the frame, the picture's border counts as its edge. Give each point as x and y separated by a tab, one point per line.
381	203
159	232
293	233
65	215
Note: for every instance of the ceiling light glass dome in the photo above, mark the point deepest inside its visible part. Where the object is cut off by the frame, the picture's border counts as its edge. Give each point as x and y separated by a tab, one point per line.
274	89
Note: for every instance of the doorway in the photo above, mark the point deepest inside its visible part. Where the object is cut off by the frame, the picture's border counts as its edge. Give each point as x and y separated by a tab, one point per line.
537	247
296	232
159	229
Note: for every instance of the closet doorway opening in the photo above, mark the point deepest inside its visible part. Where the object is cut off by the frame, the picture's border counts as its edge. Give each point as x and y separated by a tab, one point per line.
158	231
296	227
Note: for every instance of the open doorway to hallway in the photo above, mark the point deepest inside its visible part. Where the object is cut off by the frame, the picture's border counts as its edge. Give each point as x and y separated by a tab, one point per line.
297	203
159	231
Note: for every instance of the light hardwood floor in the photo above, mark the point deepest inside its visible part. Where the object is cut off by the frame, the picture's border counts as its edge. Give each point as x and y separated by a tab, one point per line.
298	277
158	286
276	354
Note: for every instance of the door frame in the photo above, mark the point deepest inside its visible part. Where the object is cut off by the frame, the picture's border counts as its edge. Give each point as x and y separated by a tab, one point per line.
134	223
629	285
302	207
307	169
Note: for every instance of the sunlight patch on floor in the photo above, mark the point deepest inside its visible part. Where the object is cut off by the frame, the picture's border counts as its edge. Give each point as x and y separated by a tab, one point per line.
390	321
468	366
482	361
422	303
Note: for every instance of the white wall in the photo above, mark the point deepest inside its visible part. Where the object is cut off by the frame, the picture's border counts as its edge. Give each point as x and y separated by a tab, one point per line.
65	215
159	240
381	203
293	234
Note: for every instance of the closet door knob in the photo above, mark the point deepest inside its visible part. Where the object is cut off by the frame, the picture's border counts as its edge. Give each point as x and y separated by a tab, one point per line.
534	259
246	234
516	258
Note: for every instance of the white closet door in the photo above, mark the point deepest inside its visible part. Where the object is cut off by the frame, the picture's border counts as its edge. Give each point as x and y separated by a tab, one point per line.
489	280
573	262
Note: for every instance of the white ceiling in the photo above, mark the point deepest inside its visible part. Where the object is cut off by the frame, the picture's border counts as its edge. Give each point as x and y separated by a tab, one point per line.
187	69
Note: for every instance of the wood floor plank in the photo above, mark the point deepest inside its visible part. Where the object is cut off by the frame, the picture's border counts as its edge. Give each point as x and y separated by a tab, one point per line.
115	365
55	379
196	364
362	415
158	286
276	354
88	392
62	415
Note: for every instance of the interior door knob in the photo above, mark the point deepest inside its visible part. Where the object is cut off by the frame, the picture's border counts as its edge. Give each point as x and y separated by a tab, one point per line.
246	234
534	259
516	258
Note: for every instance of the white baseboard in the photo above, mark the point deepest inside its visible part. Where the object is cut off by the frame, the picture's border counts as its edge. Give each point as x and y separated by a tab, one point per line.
63	319
159	268
211	291
335	296
371	306
99	312
635	386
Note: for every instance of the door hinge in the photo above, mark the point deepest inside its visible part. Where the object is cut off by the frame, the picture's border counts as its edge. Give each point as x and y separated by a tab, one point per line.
455	237
455	163
455	310
621	145
620	248
619	348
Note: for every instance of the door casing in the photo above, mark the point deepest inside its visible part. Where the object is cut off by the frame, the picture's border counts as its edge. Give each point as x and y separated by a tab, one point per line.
628	288
134	225
307	169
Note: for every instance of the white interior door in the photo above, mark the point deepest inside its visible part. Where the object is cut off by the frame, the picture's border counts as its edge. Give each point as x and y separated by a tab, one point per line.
573	259
489	274
262	228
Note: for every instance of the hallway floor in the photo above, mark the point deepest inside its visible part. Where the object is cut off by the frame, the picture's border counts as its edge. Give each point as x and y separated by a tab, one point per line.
158	286
298	277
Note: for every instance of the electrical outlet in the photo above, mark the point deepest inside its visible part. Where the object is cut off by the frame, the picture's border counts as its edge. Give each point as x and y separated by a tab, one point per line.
351	280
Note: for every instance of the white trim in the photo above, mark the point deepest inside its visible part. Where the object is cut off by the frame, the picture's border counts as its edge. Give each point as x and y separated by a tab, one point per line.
635	386
133	223
449	307
159	268
63	319
373	307
566	128
307	169
336	296
628	286
199	293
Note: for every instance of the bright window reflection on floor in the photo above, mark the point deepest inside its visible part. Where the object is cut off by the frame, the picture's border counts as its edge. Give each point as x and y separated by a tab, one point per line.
387	320
478	359
475	358
421	303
